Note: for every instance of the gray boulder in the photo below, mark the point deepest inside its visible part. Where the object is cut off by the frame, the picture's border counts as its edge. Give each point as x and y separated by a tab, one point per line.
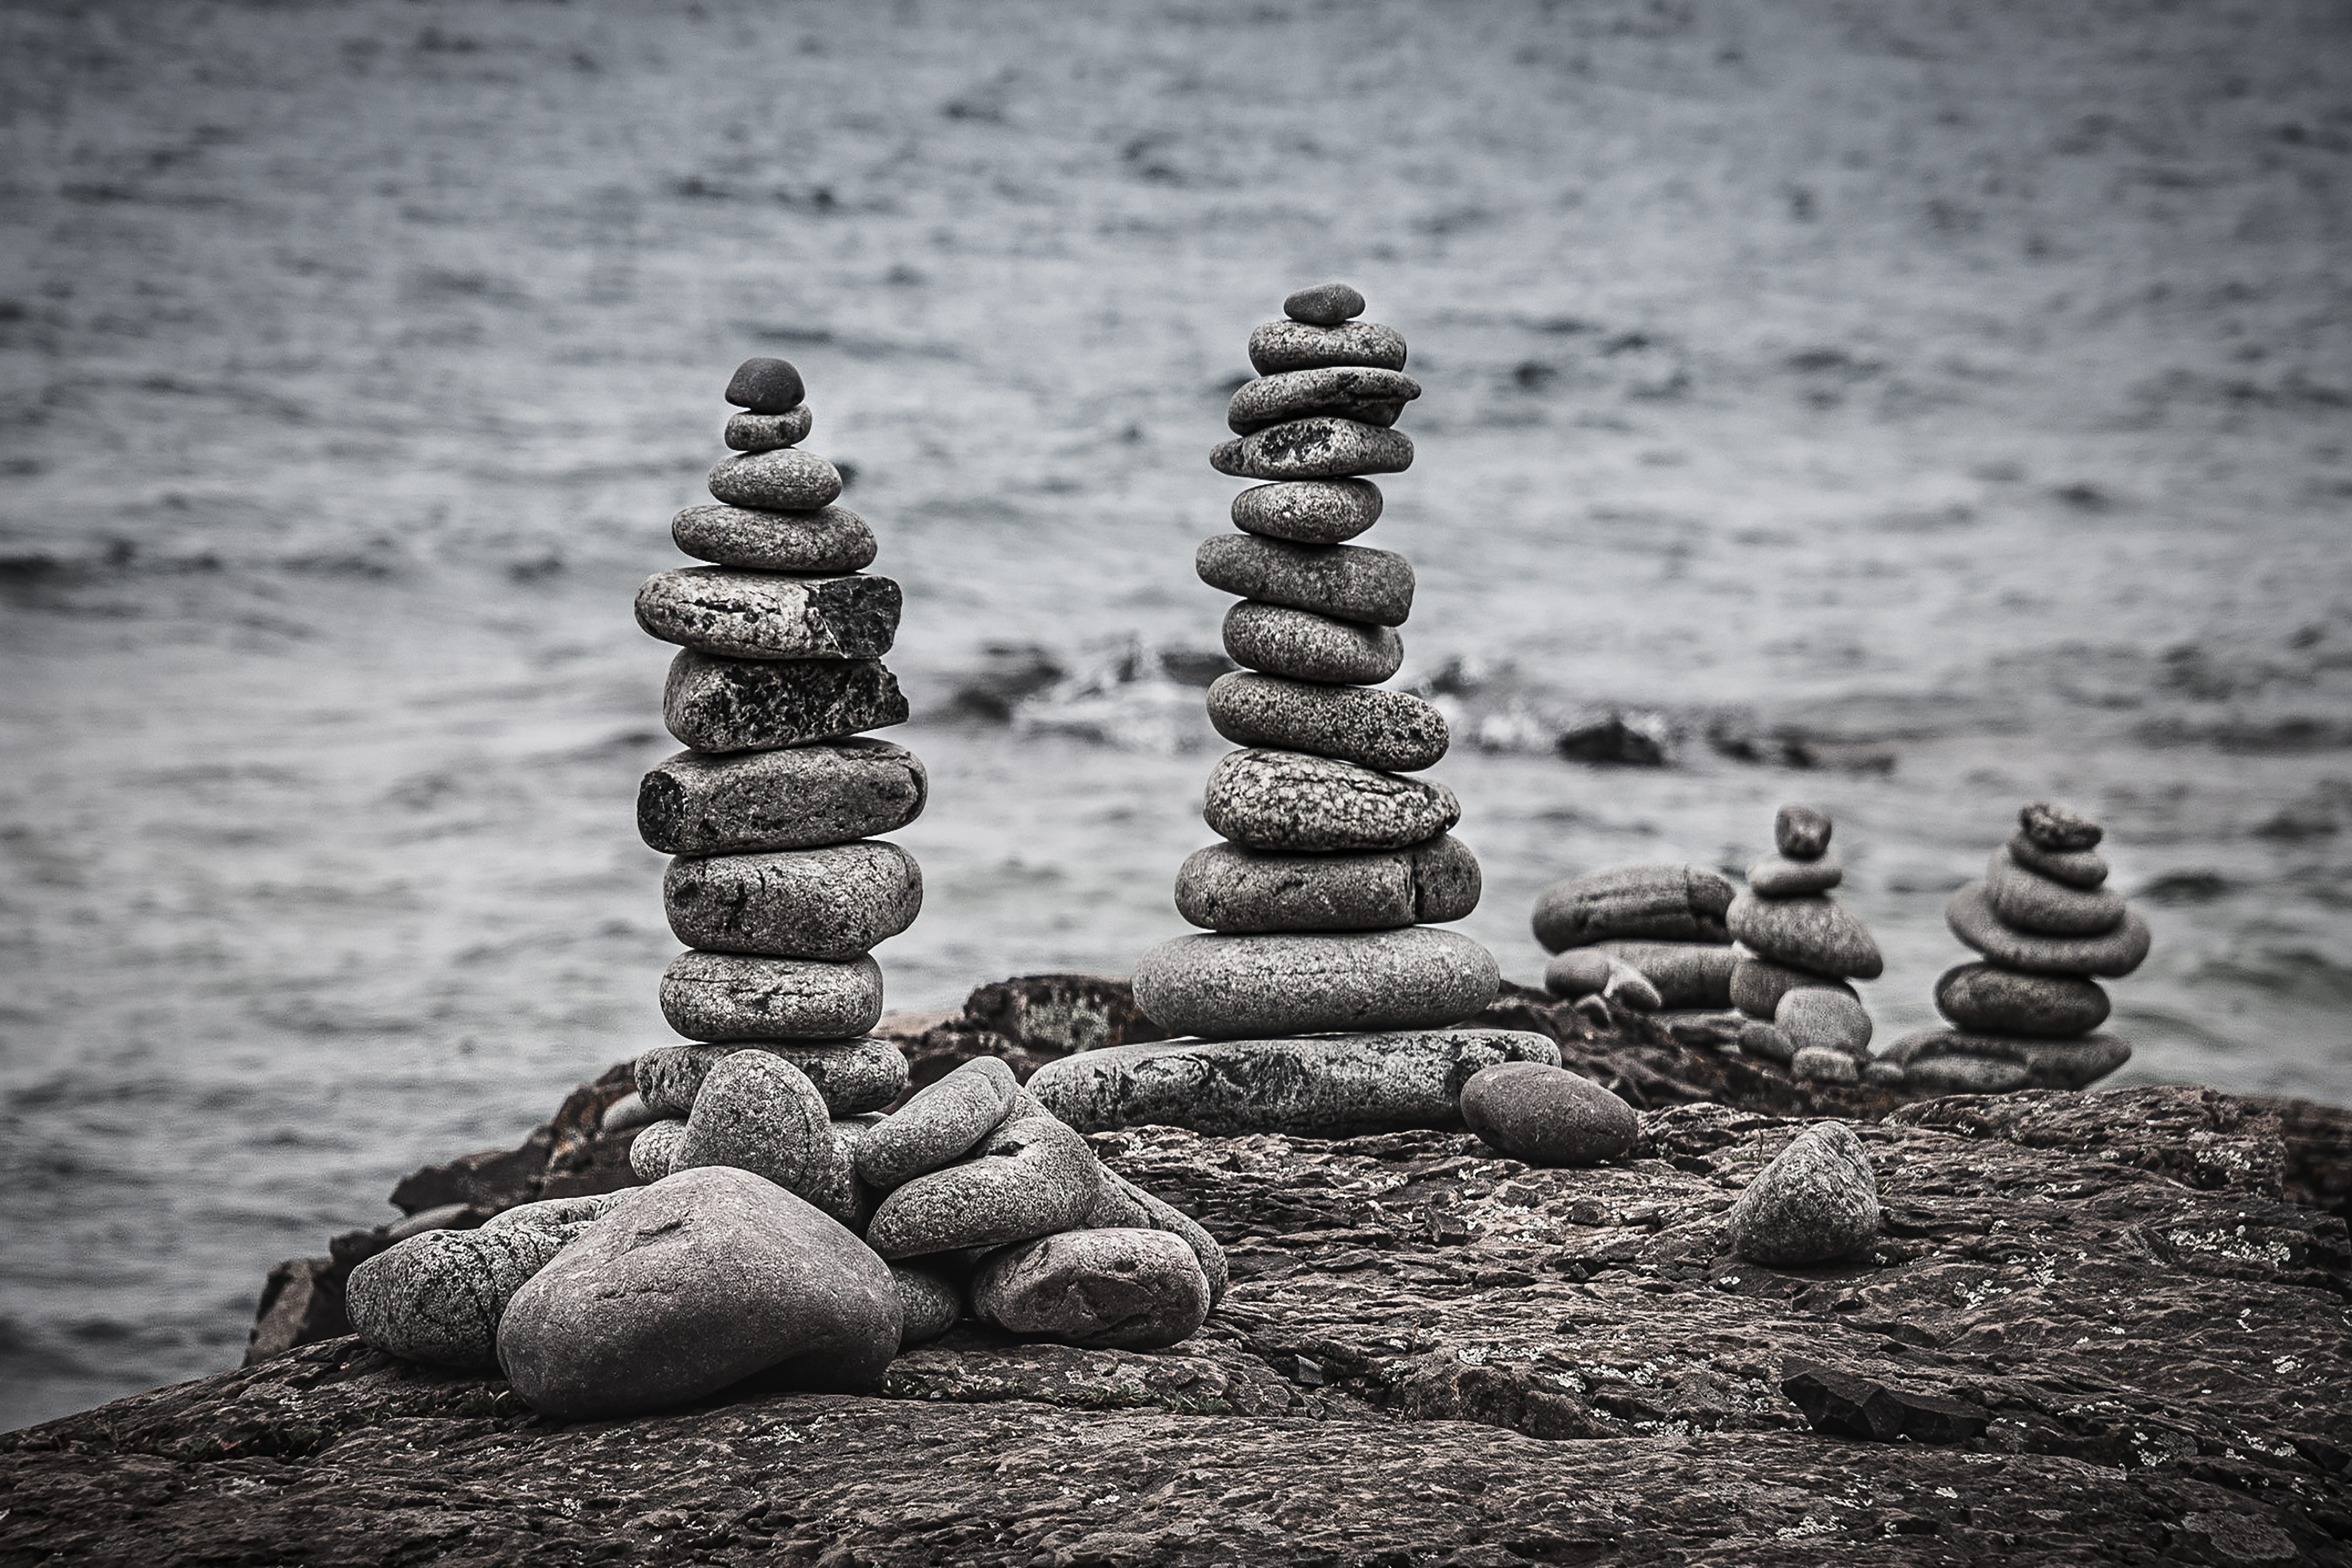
1103	1289
1687	974
943	1123
1227	888
2043	906
785	480
1345	582
1031	1177
1662	903
853	1075
437	1297
728	996
1547	1115
1288	801
1985	998
763	614
1971	919
715	704
1394	731
759	1113
1229	987
1280	346
833	902
1311	511
1817	1201
797	798
1347	391
830	539
1811	932
1304	646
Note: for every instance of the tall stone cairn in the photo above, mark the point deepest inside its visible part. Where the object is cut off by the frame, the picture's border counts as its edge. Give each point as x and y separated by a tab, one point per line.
2027	1015
1802	948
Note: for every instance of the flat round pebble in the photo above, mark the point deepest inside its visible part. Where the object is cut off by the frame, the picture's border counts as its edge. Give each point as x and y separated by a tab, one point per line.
1324	304
786	481
829	539
1238	987
1277	640
1547	1115
1777	877
1345	582
438	1297
1812	1015
834	902
766	386
944	1121
1316	449
2028	901
749	432
1989	999
728	996
1971	919
2075	868
1229	888
1394	731
1270	799
1123	1289
1800	833
1310	511
1817	1201
719	705
1287	345
735	613
798	797
1350	392
1810	931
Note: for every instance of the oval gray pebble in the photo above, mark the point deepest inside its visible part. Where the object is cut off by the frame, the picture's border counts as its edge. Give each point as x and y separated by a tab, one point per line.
1810	1016
830	539
2028	901
1119	1203
1229	888
735	613
1290	800
794	798
2113	955
788	479
1236	987
1319	448
1777	877
749	432
1809	932
1757	1038
942	1123
1279	346
1323	304
1394	732
2075	1063
725	997
1349	391
1989	999
1345	582
1579	971
1817	1201
2075	868
653	1148
1547	1115
834	902
1303	646
1310	511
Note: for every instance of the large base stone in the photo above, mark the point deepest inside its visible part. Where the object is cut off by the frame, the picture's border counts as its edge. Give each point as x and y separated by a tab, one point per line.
2048	1064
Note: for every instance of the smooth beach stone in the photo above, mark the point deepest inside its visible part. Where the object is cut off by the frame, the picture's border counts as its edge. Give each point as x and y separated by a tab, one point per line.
854	1076
727	996
437	1297
1229	987
1824	1064
1345	582
749	432
1812	1015
1668	903
1102	1289
698	1282
1547	1115
929	1303
1961	1075
1987	998
1310	511
1323	304
1279	346
760	1113
1394	731
1120	1205
628	1111
1228	887
787	480
944	1121
2075	868
1304	646
766	386
1630	988
715	704
1971	919
845	1195
830	539
834	902
1348	392
563	1218
1758	986
796	798
1777	877
1757	1038
1687	974
1031	1177
652	1150
2027	901
1579	971
1817	1201
766	615
1800	833
1337	1086
1267	799
2055	828
2075	1063
1317	448
1809	931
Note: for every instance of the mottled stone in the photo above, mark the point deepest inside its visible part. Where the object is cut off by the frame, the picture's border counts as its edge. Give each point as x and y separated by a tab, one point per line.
1630	988
2043	906
786	479
854	1076
1824	1064
1394	731
1547	1115
1305	646
1350	392
2075	868
1816	1015
1229	987
794	798
2055	827
1032	1176
1280	346
561	1218
698	1282
716	704
2075	1063
1757	1038
1971	919
1961	1075
623	1115
1817	1200
1668	903
1810	931
1986	998
831	539
1345	582
1758	986
1687	974
1777	877
834	902
931	1302
727	996
1124	1289
1335	1086
1323	304
760	1113
1800	833
766	386
437	1297
653	1150
749	432
1311	511
1119	1203
1288	801
1322	448
1579	971
735	614
1227	888
943	1123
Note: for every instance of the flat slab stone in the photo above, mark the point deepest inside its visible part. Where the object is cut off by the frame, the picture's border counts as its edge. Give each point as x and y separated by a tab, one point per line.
1987	999
830	539
833	902
794	798
715	704
2075	868
1394	732
1971	919
2026	901
1311	511
1346	391
2075	1063
723	996
1278	640
1334	1086
1322	448
1658	903
1290	801
749	432
1279	346
1228	887
1345	582
785	480
765	615
1777	876
1233	987
1809	931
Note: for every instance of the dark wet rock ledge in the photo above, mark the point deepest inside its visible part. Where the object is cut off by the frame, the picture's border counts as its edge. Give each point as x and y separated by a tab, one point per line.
2096	1328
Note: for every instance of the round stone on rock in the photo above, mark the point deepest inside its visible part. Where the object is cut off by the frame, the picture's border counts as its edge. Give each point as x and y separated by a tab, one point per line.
1757	986
834	902
1810	931
1817	1201
786	481
1548	1115
1304	646
766	386
1324	305
1368	396
1667	903
1345	582
1987	999
929	1303
2028	901
1227	888
1234	987
1800	833
1814	1015
796	798
1777	877
2055	828
1579	971
728	996
759	1113
1279	346
437	1297
1317	448
653	1150
701	1281
749	432
1394	731
1970	916
1031	1177
831	539
1102	1289
1288	801
1310	511
942	1123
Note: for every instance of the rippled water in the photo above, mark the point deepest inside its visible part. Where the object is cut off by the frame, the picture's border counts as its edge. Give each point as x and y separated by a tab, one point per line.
1955	400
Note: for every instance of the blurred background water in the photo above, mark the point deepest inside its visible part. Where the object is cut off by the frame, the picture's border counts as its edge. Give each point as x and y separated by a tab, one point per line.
1911	410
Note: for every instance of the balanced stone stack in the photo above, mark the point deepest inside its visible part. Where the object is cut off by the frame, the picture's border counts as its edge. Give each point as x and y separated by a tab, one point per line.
1645	936
1324	965
2028	1017
1802	948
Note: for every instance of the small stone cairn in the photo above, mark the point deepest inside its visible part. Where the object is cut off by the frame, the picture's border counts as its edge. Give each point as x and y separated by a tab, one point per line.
790	1235
2027	1015
1801	949
1320	1002
1645	937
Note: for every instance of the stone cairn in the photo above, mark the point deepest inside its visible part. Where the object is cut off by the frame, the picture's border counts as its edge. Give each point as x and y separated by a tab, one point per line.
1802	948
1645	937
2027	1015
1323	978
790	1234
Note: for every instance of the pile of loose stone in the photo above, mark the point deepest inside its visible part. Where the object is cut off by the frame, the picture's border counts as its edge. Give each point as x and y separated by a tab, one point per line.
1324	981
790	1235
2029	1014
1649	937
1802	948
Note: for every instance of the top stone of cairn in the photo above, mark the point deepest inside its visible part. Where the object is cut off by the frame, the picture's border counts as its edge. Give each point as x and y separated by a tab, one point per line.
1324	305
1800	833
2057	829
766	386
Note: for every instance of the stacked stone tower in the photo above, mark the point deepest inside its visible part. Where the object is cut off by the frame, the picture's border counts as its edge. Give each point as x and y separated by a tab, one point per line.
1805	950
2029	1014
